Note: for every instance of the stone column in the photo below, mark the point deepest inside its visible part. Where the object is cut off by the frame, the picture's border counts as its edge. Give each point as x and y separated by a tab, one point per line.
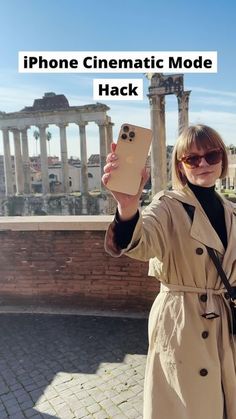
7	163
64	158
183	101
227	182
26	161
83	157
18	162
109	136
44	158
158	148
102	137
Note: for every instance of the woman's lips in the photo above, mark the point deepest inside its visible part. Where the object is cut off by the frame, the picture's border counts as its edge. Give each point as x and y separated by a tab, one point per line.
204	173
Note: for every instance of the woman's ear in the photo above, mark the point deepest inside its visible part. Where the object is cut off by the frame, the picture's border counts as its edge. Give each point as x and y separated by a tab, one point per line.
180	167
182	173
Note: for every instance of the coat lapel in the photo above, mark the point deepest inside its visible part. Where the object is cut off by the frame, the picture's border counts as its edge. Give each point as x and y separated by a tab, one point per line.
201	228
203	231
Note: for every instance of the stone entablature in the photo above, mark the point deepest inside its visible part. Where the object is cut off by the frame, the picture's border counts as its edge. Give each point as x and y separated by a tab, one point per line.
74	114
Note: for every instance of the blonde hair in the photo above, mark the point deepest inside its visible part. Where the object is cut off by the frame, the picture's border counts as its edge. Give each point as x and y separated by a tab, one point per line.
203	137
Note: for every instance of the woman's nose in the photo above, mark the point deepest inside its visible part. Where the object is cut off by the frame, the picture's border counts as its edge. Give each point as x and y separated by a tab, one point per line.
203	162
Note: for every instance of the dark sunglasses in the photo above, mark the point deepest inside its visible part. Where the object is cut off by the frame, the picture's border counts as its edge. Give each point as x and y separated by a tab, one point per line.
193	160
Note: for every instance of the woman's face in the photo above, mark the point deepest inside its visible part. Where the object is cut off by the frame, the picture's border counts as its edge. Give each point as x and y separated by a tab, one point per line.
204	174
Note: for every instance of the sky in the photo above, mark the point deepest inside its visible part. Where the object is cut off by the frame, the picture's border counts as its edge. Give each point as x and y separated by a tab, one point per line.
124	25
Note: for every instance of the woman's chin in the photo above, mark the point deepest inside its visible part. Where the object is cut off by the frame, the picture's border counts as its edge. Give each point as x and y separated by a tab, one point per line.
204	183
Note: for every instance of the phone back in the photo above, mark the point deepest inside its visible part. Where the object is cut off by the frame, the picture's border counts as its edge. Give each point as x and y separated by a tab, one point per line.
132	150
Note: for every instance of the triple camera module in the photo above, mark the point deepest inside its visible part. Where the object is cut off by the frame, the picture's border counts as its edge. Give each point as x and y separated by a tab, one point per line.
127	134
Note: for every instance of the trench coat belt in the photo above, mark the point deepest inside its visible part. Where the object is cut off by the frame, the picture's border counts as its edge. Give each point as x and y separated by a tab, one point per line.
210	305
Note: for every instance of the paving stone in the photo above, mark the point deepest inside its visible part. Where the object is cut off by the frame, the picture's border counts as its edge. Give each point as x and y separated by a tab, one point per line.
94	408
71	367
30	413
101	415
81	414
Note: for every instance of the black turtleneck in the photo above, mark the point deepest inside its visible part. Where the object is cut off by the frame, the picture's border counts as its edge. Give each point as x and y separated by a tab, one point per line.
213	208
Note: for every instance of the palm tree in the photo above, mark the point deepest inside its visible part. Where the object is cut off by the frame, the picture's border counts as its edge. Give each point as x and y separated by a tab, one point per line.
36	136
232	148
49	136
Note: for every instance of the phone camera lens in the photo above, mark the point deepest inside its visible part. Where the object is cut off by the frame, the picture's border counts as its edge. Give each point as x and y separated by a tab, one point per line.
125	128
124	136
132	134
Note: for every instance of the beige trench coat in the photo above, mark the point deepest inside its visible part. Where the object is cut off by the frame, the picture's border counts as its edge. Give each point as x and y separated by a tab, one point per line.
190	371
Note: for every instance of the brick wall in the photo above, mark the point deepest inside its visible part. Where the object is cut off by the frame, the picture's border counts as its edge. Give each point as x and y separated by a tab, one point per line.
68	268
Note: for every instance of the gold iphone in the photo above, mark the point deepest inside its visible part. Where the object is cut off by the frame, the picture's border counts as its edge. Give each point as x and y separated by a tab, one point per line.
132	150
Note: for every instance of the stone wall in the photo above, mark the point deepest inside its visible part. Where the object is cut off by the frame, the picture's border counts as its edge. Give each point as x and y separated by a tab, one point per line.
58	204
60	262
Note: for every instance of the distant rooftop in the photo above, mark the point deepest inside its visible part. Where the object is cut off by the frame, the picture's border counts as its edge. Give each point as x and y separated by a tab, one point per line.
49	102
94	159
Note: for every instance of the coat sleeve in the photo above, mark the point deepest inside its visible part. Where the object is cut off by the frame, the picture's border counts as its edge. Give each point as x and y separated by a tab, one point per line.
151	236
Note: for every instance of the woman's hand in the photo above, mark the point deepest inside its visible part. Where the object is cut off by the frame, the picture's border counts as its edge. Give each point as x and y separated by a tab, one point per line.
127	204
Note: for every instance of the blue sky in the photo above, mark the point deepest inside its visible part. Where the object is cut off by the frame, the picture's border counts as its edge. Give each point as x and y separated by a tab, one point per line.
124	25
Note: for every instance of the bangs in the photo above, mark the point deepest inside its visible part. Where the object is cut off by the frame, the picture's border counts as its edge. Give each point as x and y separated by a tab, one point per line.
198	137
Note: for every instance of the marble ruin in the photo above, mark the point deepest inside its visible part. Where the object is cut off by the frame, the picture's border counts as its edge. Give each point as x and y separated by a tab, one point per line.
51	109
55	109
160	86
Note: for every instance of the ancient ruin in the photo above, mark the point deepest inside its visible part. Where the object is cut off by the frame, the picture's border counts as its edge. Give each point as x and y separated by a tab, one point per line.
160	86
51	109
55	109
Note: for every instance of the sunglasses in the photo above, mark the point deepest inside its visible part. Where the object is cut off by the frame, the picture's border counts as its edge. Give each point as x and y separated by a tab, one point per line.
193	160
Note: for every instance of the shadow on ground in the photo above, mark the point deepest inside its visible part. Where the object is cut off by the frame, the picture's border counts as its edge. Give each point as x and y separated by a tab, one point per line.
36	348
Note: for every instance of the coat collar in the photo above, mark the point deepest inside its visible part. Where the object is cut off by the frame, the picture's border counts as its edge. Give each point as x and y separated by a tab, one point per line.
201	228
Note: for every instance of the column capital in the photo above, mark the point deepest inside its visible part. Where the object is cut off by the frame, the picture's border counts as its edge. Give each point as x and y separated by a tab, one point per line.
183	98
156	100
14	129
82	123
101	123
42	126
62	124
6	129
25	128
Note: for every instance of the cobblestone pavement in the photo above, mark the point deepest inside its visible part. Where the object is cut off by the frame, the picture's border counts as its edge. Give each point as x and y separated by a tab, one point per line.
71	366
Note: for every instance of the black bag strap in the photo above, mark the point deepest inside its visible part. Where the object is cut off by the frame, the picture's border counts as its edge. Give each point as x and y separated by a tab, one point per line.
231	290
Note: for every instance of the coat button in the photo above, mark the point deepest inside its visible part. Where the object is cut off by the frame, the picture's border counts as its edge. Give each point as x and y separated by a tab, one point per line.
205	334
199	251
227	296
203	372
203	298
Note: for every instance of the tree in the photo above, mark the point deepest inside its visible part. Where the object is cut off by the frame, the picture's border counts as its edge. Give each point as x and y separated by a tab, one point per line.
36	137
49	136
232	148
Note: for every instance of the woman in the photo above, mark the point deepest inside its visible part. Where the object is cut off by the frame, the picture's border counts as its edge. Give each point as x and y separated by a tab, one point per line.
190	371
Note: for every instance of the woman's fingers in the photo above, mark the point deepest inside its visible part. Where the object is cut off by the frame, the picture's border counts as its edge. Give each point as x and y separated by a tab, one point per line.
110	166
113	147
112	156
105	178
